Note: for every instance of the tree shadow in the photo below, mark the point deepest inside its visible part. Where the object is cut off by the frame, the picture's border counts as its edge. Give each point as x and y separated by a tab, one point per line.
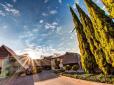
31	79
27	80
45	75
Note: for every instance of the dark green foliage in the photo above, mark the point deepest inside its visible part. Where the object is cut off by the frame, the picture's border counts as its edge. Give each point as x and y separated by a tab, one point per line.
96	37
87	58
75	67
110	6
67	67
89	30
12	60
39	69
104	29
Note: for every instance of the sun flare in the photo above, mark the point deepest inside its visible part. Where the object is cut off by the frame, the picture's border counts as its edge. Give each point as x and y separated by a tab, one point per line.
34	54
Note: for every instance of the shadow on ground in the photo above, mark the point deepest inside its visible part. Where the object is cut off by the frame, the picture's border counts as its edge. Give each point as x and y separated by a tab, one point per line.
27	80
45	75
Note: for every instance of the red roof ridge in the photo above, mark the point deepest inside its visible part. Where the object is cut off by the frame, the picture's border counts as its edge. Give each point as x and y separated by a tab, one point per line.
10	51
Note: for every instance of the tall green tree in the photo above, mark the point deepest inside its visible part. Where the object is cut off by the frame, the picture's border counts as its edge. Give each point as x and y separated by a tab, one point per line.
105	29
95	46
110	6
87	58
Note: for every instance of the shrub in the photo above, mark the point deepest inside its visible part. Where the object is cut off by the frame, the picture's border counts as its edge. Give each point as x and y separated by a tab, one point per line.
28	71
112	73
75	67
34	70
91	77
67	67
59	71
12	60
39	69
8	74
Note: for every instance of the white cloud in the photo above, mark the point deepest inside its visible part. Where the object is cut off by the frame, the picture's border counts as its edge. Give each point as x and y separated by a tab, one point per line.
45	35
59	28
14	44
28	42
2	13
37	52
54	23
9	5
41	21
53	12
9	8
44	14
25	27
46	1
47	26
14	1
54	27
27	34
35	30
5	27
77	1
51	26
60	1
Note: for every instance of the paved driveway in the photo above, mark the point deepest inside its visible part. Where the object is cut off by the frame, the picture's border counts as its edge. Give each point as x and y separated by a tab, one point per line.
14	80
46	78
50	78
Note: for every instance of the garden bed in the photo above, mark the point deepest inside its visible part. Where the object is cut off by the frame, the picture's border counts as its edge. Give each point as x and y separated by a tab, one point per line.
91	77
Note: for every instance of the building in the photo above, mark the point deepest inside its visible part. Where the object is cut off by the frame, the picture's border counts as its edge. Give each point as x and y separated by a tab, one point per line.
6	55
67	59
9	62
55	62
59	61
46	62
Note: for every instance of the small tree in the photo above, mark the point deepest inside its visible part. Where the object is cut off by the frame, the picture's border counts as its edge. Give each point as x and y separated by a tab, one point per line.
75	67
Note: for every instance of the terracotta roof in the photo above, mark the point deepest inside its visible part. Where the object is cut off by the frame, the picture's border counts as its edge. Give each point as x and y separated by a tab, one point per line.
5	51
67	58
70	58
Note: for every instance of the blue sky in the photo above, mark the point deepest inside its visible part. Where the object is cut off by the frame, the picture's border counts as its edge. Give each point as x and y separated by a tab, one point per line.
45	25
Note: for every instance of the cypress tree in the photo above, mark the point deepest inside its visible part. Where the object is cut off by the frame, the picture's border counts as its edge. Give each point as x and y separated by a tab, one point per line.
87	58
104	27
110	6
95	47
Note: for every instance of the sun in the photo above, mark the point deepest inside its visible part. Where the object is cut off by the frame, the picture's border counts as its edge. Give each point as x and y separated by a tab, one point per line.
33	54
